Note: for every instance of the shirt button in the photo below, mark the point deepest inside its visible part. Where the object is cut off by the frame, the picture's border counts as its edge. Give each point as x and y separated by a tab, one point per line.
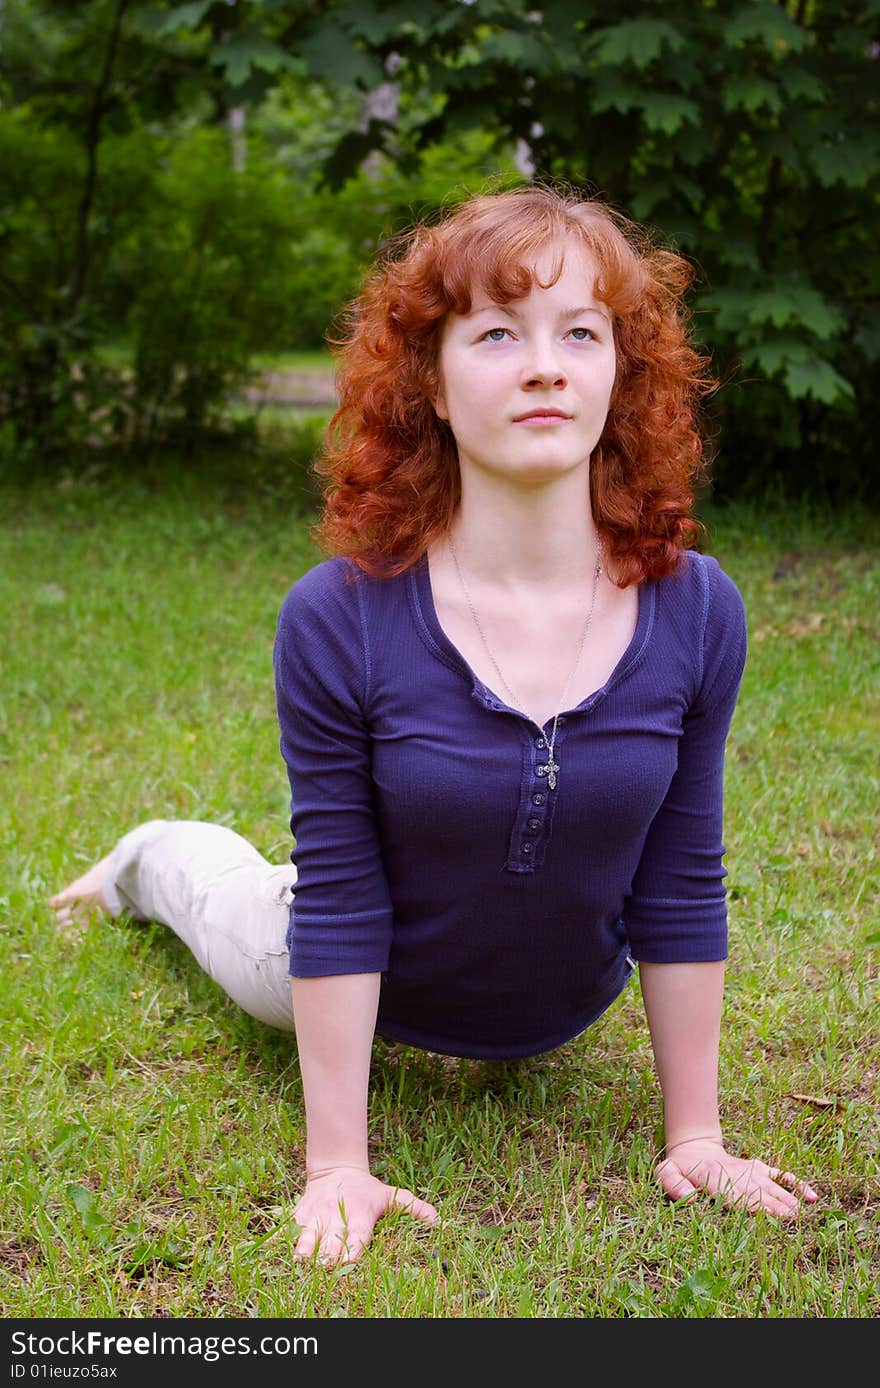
540	743
541	770
526	848
538	798
534	823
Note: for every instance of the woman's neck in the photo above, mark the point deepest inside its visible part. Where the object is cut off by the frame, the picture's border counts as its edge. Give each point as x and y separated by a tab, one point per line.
539	539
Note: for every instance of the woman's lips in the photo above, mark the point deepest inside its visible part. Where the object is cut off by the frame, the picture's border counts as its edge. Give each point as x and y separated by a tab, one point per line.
539	420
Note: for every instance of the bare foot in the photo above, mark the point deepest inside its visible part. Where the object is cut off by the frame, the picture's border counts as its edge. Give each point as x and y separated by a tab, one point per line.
80	898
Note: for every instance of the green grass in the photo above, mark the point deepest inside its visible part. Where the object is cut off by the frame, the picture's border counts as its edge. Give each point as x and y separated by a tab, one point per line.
120	352
318	360
153	1134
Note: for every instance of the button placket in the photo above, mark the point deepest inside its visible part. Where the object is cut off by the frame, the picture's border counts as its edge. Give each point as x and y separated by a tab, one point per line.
535	823
527	843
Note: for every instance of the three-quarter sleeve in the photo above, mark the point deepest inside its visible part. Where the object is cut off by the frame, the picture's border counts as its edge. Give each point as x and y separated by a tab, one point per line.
341	918
676	912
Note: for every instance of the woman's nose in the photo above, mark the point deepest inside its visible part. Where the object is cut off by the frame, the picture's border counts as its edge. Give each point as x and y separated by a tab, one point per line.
543	368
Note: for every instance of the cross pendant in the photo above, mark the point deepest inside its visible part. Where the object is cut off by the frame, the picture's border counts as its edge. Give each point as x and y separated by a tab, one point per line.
551	768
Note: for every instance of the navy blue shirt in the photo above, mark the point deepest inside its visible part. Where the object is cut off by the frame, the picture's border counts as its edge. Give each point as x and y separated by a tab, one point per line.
429	846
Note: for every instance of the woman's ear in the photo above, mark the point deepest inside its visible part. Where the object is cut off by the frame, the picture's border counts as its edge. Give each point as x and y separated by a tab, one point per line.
440	404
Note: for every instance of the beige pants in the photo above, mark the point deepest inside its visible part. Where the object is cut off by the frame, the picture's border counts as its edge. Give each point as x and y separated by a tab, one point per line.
227	904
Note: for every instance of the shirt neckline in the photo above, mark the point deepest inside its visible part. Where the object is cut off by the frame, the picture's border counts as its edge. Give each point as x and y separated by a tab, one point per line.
449	653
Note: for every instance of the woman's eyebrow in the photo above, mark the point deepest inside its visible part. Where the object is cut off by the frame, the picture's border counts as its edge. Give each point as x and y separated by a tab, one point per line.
563	314
587	308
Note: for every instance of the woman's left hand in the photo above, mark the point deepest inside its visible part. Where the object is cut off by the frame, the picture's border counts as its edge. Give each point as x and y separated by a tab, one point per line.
704	1164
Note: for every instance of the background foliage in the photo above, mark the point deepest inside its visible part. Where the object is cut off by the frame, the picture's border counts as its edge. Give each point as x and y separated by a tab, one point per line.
206	180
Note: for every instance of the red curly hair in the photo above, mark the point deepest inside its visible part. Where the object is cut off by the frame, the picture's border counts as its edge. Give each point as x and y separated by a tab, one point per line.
390	463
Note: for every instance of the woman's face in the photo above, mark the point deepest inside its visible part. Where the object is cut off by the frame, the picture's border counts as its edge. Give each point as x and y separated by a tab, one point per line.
526	387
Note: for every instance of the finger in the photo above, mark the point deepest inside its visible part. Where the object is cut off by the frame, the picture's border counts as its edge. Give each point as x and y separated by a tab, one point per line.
764	1200
330	1246
340	1246
356	1238
306	1244
70	915
329	1257
788	1178
738	1186
776	1200
752	1190
778	1192
780	1202
419	1209
673	1180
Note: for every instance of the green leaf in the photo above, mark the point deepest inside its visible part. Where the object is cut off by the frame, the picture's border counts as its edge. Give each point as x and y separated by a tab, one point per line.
162	1248
776	353
334	55
610	92
671	188
247	50
801	85
518	50
730	308
667	113
694	143
782	304
739	251
646	198
96	1225
489	1233
161	23
65	1133
346	158
849	161
750	93
770	24
819	379
700	1292
638	41
378	24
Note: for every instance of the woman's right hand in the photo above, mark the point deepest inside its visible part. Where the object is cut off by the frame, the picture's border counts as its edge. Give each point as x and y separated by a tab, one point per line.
341	1206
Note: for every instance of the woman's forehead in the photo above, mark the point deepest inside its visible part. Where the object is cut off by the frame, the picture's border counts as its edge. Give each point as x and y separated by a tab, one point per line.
568	266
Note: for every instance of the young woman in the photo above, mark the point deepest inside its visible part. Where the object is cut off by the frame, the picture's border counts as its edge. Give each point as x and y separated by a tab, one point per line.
503	701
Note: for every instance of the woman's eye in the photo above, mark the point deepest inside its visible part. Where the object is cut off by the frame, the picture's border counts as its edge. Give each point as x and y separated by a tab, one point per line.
581	334
495	334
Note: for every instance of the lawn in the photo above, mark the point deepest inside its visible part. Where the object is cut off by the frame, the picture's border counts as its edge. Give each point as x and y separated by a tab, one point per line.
153	1134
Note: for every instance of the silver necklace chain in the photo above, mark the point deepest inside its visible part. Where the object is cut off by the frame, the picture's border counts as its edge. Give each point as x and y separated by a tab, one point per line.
552	767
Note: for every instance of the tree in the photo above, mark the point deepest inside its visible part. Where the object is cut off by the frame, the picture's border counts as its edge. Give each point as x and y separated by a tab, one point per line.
744	130
80	84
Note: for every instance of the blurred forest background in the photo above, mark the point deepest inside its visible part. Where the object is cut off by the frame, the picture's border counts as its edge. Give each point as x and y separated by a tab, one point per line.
190	192
189	195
